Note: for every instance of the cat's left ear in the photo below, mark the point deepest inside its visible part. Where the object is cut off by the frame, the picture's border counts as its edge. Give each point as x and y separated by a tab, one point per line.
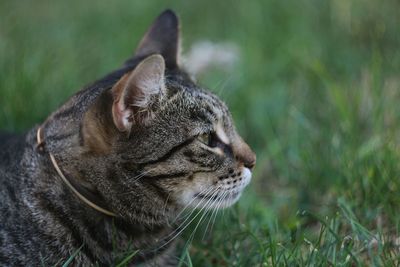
162	38
137	92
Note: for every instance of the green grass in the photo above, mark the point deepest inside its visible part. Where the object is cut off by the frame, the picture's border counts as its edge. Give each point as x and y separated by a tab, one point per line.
315	93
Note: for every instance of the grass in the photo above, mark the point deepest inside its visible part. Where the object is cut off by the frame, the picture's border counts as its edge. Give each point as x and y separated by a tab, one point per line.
315	94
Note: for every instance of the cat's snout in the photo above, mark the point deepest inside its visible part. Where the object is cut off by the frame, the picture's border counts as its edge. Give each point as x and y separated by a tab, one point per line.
248	159
244	154
250	164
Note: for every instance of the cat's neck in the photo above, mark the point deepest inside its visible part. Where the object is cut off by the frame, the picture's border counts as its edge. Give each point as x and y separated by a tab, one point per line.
63	215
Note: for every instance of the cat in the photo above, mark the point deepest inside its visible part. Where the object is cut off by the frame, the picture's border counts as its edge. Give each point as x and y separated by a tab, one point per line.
111	170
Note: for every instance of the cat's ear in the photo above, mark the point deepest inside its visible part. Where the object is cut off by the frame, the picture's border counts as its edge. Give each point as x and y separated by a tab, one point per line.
136	93
162	38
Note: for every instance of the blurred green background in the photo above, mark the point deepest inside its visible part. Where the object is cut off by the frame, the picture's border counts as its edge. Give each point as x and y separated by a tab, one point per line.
315	93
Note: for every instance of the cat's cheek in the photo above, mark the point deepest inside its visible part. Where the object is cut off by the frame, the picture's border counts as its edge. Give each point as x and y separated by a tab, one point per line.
201	182
186	197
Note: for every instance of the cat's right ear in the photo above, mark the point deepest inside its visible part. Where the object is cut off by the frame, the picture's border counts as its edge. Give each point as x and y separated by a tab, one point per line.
162	38
137	92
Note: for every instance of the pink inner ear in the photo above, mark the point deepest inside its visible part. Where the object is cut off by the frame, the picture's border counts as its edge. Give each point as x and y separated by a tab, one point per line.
121	116
136	91
119	111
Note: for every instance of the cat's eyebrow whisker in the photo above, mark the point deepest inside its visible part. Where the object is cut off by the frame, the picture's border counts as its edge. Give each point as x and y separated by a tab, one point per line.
222	85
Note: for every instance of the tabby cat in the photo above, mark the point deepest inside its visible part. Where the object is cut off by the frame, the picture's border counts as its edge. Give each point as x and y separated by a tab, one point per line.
112	168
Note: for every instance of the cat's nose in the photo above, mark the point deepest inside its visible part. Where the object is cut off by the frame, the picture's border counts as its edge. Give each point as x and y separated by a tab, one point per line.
244	154
251	163
248	158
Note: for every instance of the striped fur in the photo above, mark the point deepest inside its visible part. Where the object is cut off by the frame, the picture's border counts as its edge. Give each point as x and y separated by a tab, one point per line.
187	154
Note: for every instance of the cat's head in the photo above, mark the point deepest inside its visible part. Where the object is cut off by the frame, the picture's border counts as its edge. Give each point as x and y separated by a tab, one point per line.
157	141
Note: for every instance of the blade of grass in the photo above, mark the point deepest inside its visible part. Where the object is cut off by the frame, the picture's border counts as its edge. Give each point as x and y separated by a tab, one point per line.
71	258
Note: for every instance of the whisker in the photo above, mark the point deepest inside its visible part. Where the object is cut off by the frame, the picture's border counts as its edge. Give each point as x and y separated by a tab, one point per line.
208	209
205	191
186	217
222	85
213	211
135	179
187	224
223	211
166	203
215	217
213	192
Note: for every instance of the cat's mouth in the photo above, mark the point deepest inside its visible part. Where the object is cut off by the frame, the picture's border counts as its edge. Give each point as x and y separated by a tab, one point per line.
224	195
218	197
219	200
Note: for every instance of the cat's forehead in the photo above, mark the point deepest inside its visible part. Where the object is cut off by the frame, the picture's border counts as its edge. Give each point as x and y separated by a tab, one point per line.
196	96
200	104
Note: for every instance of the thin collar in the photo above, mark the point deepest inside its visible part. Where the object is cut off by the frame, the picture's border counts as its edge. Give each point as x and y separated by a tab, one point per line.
40	146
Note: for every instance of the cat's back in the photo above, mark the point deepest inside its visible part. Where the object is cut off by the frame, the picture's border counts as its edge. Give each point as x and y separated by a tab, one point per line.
12	147
11	150
15	223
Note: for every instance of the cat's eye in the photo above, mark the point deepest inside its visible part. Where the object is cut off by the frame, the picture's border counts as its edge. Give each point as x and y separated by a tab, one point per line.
209	139
204	138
